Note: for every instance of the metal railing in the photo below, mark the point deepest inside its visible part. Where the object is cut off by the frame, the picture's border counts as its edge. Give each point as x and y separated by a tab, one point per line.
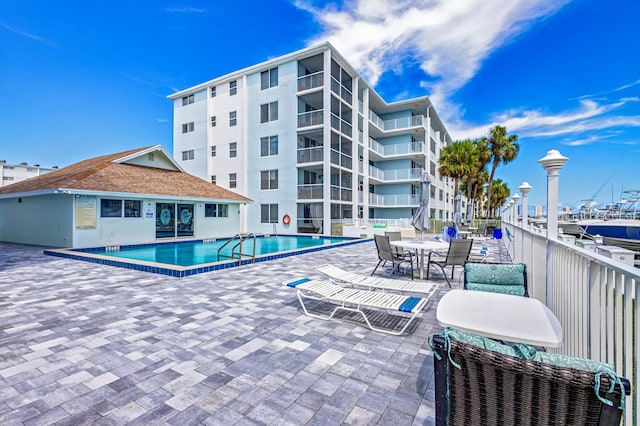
236	249
311	118
311	81
416	147
393	200
310	155
397	123
310	192
394	175
593	296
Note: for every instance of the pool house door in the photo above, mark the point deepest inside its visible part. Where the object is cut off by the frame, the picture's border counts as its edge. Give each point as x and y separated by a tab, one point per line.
174	220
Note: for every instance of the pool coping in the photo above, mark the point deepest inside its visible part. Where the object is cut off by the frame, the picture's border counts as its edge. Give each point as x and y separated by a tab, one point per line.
85	254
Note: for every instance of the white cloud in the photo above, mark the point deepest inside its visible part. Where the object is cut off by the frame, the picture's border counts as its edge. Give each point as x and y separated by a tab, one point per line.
185	10
450	39
27	34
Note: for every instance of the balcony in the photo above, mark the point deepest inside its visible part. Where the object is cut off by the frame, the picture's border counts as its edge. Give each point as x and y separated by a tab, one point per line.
401	200
311	118
341	159
341	194
410	148
340	125
397	123
310	155
396	175
310	192
310	81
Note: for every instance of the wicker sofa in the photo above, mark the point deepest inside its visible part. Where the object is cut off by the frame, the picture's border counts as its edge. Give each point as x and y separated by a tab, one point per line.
479	386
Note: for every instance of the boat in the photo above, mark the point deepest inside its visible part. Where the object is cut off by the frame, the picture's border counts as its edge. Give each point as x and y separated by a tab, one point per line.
619	223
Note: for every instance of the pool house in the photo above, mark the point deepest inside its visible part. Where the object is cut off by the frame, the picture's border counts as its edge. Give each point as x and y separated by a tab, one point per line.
133	197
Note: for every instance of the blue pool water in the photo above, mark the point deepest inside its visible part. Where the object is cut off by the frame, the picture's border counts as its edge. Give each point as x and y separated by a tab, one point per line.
190	253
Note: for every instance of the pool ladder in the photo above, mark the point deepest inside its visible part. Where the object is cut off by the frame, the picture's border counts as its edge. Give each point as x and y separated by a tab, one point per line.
236	250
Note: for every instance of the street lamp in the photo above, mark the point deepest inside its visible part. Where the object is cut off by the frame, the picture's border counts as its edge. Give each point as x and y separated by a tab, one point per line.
552	163
525	188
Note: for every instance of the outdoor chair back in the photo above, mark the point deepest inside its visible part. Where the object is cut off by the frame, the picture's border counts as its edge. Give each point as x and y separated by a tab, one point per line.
479	381
386	253
506	278
457	255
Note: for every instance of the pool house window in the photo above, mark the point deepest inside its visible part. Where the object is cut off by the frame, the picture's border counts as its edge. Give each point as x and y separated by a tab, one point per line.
216	210
114	208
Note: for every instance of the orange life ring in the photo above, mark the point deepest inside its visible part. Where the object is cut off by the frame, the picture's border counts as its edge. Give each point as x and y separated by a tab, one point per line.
286	219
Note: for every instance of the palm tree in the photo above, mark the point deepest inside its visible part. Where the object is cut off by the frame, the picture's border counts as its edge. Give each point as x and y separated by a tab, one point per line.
454	162
501	192
479	156
504	149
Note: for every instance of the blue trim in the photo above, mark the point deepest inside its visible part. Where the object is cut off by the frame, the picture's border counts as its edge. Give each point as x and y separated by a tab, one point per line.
77	254
298	282
409	304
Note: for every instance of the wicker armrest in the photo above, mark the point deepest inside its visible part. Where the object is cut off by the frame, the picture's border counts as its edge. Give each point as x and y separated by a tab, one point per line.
492	388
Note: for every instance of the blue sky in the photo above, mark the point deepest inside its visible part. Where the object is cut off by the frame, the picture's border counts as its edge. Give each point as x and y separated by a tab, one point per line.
81	79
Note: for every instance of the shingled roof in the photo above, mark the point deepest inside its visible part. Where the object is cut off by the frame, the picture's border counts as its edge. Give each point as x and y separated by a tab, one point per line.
116	173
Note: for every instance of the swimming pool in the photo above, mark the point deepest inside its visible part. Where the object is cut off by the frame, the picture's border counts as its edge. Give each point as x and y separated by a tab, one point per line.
184	258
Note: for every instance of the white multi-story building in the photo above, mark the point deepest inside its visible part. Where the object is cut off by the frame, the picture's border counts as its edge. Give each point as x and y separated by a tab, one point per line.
12	173
309	141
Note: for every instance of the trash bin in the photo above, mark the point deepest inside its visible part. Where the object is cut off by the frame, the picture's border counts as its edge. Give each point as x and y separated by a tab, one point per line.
497	233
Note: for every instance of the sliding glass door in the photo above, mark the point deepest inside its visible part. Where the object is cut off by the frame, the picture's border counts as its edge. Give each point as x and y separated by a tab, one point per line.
174	220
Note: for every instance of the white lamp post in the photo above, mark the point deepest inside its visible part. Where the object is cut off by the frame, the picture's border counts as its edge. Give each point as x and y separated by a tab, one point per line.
515	199
509	211
552	163
525	188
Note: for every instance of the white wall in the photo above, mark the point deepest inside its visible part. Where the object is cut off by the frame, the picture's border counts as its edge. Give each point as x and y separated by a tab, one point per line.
44	220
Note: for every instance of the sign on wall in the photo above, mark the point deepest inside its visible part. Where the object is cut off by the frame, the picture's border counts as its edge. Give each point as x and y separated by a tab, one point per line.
86	207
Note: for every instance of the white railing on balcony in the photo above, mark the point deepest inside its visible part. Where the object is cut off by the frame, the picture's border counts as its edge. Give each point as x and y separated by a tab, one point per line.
341	194
394	175
432	133
396	149
310	81
593	296
396	123
310	155
311	118
401	200
310	192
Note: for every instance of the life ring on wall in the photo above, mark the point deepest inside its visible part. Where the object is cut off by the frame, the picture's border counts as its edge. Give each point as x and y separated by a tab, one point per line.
286	219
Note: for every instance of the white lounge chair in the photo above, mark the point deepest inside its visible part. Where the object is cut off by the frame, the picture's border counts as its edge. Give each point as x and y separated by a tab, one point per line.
355	300
379	283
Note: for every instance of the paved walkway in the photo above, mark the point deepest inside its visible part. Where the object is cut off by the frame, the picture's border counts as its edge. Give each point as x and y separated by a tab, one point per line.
88	344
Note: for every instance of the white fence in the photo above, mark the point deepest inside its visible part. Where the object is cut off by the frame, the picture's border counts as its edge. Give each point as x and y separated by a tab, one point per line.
593	296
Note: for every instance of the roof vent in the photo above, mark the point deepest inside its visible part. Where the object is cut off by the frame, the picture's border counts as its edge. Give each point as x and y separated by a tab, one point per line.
150	156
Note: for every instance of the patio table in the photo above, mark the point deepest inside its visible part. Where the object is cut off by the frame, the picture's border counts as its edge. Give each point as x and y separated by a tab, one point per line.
422	247
500	316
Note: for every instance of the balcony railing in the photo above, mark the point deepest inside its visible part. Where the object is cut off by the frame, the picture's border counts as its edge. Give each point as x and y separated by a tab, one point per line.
402	200
396	149
310	81
341	91
310	155
397	123
341	125
311	118
310	192
394	175
594	298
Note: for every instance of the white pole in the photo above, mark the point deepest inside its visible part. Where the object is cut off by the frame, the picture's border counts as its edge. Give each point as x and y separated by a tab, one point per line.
525	188
552	163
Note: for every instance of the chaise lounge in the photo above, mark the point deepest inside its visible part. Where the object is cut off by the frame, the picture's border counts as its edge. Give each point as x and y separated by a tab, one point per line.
404	308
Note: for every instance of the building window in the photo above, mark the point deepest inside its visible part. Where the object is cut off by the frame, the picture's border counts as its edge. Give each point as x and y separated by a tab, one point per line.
212	90
233	180
233	87
216	210
268	213
110	208
188	155
268	146
131	208
233	149
269	78
269	179
188	127
269	112
7	178
213	121
213	151
213	179
187	100
233	118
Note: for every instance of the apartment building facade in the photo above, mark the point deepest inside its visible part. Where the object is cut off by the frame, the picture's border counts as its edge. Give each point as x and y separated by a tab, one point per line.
309	141
12	173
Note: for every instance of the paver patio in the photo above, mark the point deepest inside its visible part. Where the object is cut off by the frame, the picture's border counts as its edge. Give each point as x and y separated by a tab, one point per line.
82	343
